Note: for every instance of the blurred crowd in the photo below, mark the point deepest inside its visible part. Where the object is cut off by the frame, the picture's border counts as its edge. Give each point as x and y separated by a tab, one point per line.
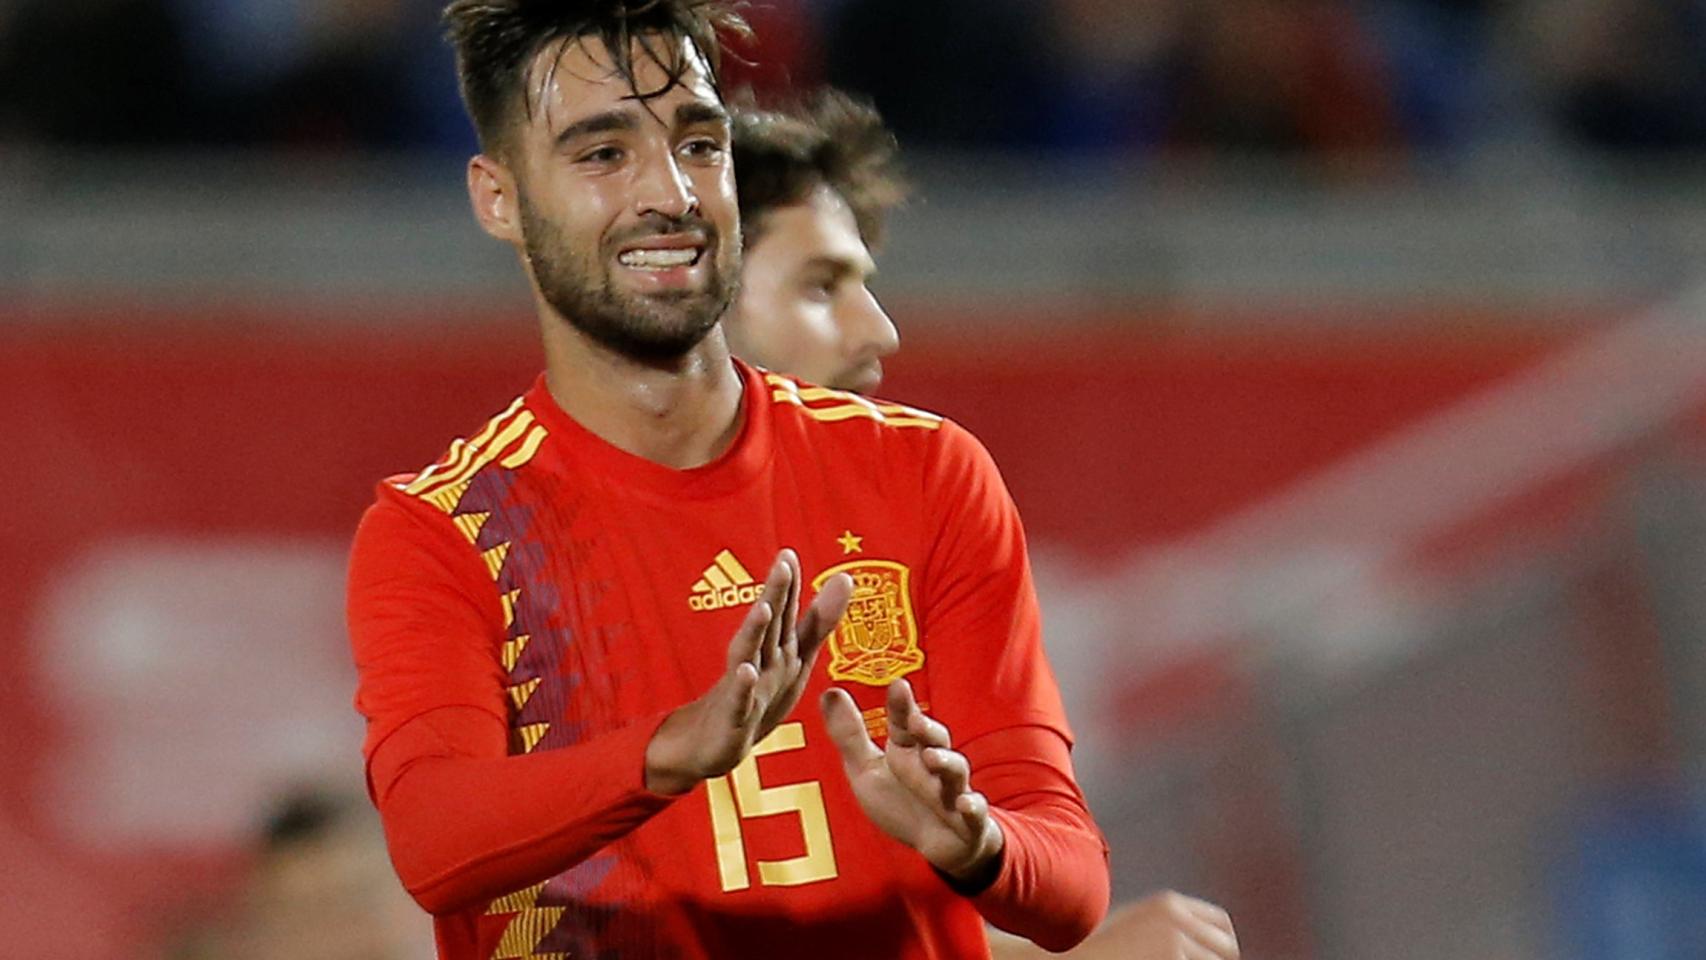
1133	76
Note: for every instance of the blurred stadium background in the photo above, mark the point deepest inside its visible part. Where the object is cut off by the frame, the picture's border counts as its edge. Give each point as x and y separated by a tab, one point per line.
1346	358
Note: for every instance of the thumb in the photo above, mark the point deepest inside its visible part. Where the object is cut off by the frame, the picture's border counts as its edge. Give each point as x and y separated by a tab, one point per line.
847	729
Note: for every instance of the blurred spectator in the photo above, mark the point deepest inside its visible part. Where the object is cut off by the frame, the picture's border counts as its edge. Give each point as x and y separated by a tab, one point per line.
946	72
1626	74
96	73
1310	78
1438	55
347	85
323	74
1297	76
1241	76
1119	71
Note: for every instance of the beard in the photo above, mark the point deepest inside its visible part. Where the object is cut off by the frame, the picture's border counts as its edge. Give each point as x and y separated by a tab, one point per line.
579	285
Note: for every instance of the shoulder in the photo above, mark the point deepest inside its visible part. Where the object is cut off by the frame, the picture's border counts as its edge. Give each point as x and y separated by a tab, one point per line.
850	425
845	417
508	441
430	508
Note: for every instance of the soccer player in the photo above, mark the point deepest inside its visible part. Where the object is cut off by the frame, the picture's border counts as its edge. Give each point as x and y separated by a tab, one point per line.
816	185
581	634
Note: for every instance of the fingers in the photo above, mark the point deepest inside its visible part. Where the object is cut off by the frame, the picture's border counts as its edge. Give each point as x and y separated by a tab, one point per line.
973	808
1220	941
846	728
951	790
787	644
800	658
909	726
743	695
1190	949
951	770
1207	912
780	591
1220	944
826	610
1206	926
745	645
901	708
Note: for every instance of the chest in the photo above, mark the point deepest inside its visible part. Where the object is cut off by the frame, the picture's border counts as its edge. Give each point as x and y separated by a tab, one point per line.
625	605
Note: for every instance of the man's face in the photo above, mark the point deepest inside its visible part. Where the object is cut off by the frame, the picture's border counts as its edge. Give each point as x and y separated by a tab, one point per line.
804	306
330	897
627	207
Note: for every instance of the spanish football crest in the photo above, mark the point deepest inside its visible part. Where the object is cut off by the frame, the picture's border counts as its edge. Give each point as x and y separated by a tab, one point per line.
877	642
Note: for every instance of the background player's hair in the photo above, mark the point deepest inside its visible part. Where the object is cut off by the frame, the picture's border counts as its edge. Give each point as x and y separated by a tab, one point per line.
830	139
496	41
307	815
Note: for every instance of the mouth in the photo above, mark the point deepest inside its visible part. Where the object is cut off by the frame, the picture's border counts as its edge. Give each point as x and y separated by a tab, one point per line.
862	379
663	253
660	259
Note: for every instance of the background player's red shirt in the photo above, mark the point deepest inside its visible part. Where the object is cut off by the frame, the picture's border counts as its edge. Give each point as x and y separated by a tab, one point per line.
525	612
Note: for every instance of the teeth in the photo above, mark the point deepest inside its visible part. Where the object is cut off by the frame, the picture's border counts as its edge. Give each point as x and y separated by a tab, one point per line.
658	259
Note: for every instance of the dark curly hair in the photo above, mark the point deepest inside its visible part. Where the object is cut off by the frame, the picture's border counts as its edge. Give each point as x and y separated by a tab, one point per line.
496	42
830	139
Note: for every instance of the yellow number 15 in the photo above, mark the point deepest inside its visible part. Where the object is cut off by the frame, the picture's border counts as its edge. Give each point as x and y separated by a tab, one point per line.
757	800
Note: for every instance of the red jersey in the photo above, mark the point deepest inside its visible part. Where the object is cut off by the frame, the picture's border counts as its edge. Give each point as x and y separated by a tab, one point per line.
527	610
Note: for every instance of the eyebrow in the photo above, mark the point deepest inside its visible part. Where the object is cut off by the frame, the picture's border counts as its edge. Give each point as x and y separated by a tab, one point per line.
611	121
606	122
839	266
699	111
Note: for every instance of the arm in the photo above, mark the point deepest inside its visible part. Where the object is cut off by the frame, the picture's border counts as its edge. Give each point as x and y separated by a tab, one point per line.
1020	840
1051	883
465	821
1024	847
992	684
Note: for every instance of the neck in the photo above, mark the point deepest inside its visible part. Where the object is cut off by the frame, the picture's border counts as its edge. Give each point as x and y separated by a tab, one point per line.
680	413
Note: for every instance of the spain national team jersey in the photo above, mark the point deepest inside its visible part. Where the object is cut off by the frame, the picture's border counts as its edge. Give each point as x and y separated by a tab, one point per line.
525	611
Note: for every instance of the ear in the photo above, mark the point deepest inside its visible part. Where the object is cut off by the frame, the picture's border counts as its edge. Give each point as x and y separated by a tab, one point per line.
492	191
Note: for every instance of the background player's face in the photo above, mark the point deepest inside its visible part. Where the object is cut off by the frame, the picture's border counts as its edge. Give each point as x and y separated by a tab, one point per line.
627	207
331	897
804	307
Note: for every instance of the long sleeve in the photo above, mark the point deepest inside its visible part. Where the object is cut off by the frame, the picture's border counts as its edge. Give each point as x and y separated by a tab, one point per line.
992	685
465	821
1053	885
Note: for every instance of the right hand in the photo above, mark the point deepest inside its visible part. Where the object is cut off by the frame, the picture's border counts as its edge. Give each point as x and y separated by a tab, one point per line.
769	664
1163	926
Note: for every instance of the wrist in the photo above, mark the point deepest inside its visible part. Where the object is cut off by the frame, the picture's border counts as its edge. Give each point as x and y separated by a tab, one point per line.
667	772
981	865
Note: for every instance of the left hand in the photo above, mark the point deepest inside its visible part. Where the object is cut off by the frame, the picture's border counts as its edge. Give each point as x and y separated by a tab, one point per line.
918	789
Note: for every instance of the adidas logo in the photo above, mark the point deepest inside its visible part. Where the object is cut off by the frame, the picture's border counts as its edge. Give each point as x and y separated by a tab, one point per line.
725	584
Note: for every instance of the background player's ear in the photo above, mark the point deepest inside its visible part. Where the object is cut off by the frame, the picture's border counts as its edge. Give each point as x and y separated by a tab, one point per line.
491	189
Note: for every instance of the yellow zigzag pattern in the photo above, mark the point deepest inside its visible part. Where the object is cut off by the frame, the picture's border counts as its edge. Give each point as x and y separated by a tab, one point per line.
510	440
531	925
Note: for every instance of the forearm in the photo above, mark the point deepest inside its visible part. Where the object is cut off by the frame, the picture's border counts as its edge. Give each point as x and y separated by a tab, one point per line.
465	828
1052	886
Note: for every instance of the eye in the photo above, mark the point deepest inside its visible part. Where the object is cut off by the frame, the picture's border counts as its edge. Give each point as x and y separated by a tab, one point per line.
703	148
819	290
601	155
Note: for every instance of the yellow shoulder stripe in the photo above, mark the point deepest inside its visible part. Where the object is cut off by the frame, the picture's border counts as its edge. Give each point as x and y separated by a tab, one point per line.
831	406
511	438
461	451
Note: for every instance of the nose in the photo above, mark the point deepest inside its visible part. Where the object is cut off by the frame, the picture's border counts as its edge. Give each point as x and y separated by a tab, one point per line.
870	328
664	189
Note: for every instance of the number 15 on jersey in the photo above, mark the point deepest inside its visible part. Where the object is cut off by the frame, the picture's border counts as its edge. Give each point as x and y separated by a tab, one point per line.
741	795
